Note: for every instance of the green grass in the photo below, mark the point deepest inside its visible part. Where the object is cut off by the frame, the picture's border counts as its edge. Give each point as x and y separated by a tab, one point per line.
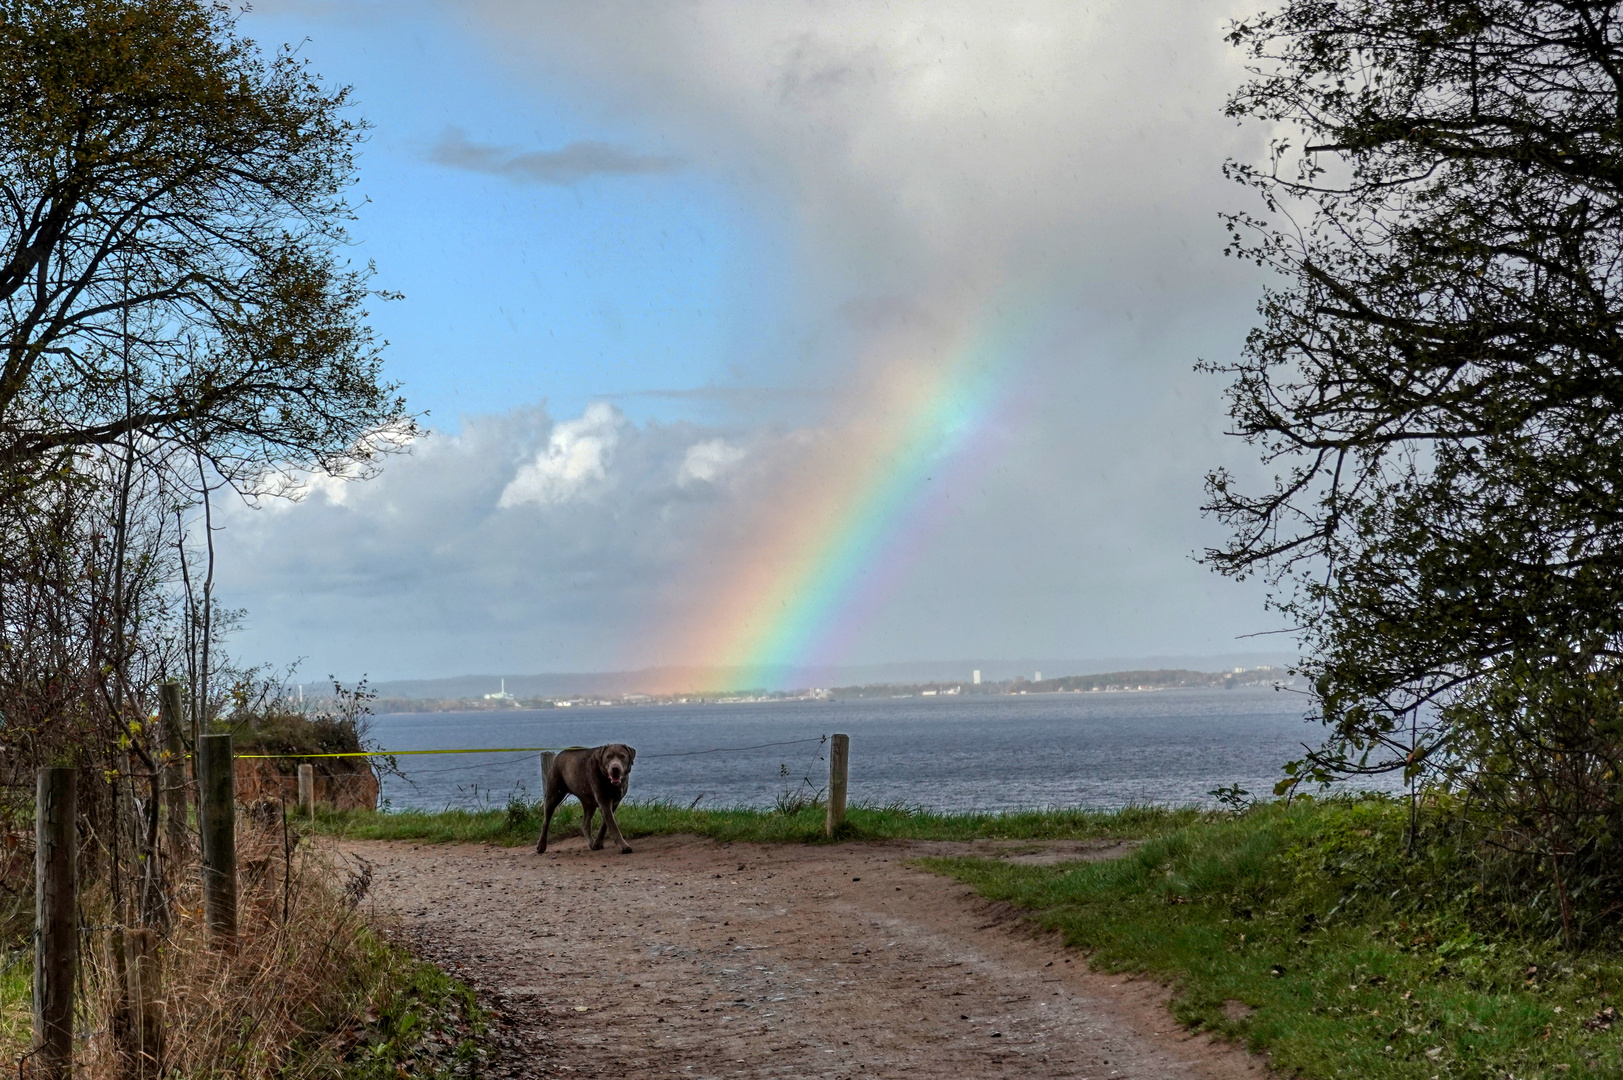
419	1022
16	999
520	823
1358	960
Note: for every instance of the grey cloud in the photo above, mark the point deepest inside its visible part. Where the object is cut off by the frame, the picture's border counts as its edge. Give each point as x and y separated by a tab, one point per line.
938	157
569	165
924	155
1071	536
931	152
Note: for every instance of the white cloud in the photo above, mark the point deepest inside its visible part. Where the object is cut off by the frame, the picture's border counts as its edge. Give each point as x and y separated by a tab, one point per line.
283	489
709	461
443	579
574	463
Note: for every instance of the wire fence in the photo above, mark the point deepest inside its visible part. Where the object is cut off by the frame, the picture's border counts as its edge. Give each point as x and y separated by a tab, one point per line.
515	750
482	794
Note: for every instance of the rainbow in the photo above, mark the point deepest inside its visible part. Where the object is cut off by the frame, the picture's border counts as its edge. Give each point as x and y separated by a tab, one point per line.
863	505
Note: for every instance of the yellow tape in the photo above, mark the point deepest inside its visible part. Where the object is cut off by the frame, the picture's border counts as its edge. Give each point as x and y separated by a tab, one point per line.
403	753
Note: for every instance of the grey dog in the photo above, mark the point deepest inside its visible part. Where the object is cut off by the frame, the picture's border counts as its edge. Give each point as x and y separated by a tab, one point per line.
598	777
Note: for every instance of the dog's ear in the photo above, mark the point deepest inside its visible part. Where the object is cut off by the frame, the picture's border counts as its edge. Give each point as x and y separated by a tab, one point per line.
631	755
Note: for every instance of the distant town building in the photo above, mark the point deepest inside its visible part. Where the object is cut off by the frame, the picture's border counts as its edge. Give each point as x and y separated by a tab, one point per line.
500	695
977	676
1038	676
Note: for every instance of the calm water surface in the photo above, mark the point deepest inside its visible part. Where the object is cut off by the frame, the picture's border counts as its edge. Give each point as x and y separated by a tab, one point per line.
1100	750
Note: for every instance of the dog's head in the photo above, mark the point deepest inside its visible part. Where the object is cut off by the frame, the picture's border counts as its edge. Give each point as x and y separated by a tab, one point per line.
617	759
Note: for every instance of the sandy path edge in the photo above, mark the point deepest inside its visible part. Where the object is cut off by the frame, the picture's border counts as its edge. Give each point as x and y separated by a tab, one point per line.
697	958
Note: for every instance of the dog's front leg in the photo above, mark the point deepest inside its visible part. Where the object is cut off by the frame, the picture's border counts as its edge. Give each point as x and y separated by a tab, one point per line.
587	809
612	824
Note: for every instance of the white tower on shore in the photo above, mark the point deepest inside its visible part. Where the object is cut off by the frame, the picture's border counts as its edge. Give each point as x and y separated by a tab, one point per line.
977	676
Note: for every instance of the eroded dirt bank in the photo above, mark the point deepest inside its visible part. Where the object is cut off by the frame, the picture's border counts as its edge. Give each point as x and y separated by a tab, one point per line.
694	958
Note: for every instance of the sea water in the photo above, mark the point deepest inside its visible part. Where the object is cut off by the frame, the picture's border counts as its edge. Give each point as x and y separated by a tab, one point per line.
1097	750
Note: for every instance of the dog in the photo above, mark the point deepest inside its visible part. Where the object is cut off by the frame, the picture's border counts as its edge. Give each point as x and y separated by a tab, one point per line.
599	778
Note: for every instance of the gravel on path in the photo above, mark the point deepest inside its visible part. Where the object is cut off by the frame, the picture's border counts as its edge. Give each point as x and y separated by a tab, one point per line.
694	958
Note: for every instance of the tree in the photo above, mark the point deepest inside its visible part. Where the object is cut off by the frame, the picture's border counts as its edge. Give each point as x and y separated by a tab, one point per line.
171	215
174	313
1438	377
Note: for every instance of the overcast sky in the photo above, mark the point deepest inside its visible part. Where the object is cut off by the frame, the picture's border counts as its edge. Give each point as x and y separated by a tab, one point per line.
671	272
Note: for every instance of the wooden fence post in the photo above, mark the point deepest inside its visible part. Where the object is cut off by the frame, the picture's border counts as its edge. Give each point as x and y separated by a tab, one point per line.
839	760
145	996
547	758
174	768
56	933
219	814
307	790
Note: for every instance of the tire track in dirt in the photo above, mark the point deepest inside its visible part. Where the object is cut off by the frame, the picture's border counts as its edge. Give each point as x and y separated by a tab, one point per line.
693	958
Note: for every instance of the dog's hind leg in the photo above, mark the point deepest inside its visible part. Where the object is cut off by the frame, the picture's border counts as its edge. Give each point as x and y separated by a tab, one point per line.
554	798
587	809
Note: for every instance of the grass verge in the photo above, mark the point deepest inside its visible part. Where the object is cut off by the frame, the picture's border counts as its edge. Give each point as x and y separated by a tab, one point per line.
520	823
1352	957
417	1021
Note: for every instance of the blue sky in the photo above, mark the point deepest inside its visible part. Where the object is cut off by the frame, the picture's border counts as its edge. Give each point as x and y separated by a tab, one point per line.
645	249
521	292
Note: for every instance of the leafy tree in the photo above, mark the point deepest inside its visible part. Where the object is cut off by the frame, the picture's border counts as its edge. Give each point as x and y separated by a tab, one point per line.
175	311
1440	371
172	213
1438	378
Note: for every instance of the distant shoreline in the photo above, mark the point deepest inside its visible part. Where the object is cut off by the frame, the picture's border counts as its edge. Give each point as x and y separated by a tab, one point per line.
1105	682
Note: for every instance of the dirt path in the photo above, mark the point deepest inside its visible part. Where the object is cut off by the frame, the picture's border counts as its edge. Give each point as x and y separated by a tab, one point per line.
692	958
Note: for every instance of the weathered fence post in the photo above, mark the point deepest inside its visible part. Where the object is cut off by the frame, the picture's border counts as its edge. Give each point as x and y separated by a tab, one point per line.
307	790
56	933
174	768
144	989
219	813
547	758
839	760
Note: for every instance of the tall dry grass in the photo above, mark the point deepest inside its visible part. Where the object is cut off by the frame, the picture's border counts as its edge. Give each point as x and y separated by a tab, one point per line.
288	1001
